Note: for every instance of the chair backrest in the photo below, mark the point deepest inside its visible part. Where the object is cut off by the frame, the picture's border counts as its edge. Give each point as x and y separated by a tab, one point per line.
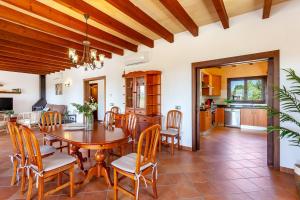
115	109
33	148
147	147
109	118
17	141
174	119
130	124
51	119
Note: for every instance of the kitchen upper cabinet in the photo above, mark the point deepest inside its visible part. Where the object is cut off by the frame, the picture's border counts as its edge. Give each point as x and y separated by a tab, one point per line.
211	85
254	117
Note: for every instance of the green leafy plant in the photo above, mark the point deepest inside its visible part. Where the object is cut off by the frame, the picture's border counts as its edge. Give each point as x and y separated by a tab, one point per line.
9	112
290	104
87	108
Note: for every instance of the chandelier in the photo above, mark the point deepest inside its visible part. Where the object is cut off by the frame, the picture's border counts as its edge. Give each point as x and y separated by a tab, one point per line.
88	56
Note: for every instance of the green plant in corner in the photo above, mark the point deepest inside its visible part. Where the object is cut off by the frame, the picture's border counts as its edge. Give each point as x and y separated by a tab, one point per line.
290	104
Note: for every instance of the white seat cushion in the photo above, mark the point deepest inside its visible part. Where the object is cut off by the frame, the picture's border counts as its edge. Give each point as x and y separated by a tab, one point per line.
128	163
55	161
49	138
170	131
46	149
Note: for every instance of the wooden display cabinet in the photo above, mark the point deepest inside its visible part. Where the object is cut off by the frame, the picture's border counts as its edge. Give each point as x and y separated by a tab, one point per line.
211	85
143	97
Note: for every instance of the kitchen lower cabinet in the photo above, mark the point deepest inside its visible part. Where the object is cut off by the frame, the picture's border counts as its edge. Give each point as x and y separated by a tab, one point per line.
220	117
205	120
254	117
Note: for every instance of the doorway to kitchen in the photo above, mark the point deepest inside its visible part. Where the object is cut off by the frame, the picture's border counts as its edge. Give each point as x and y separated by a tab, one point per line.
96	88
250	89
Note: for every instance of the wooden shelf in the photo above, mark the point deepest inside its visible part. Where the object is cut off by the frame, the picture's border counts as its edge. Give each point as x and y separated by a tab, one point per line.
9	92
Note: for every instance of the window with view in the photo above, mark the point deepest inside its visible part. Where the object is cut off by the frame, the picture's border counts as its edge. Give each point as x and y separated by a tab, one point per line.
247	89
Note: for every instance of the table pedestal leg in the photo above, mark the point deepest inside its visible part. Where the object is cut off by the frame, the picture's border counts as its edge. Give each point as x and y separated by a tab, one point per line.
75	152
99	169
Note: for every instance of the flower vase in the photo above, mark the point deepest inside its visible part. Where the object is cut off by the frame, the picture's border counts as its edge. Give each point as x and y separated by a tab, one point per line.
89	122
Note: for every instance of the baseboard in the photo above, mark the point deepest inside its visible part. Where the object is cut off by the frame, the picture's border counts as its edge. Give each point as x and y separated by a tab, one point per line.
287	170
186	148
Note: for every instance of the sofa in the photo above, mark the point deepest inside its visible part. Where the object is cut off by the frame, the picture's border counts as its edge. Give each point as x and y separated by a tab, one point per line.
29	118
59	108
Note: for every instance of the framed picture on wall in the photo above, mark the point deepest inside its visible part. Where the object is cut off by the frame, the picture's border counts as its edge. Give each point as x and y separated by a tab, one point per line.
58	89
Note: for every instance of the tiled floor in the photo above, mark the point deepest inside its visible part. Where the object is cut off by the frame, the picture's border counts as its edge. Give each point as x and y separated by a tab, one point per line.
230	166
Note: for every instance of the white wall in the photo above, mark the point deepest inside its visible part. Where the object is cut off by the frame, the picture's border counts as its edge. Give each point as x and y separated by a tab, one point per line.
101	99
29	85
247	34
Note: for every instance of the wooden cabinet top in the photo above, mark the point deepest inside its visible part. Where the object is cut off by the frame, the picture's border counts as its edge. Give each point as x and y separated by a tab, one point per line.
142	73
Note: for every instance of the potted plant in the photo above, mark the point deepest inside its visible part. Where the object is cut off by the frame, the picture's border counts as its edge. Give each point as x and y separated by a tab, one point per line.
87	110
289	125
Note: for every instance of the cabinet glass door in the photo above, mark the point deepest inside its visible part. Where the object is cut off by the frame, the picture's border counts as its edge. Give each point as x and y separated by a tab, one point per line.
140	92
129	92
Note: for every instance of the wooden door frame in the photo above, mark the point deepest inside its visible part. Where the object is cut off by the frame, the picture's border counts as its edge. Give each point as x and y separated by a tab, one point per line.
273	139
86	91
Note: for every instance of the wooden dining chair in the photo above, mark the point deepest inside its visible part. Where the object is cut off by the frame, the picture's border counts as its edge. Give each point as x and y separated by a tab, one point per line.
109	119
172	130
115	109
50	121
19	158
137	165
42	169
130	123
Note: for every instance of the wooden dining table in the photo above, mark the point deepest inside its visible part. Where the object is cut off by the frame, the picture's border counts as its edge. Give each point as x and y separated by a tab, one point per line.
99	139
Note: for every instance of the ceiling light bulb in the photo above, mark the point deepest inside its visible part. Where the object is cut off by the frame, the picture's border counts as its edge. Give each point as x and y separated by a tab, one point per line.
101	57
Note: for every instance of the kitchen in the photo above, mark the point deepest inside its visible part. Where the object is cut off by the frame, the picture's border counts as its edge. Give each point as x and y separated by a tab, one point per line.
234	96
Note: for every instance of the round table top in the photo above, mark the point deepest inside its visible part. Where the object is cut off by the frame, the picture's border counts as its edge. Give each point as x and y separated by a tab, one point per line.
100	136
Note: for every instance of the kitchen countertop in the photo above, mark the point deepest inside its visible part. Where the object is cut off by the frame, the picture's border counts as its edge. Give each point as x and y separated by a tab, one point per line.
241	106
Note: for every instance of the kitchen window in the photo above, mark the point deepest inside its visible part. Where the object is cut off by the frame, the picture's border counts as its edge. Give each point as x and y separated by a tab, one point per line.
247	89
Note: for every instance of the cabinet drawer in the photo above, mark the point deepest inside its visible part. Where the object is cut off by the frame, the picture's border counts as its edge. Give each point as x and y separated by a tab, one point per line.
140	112
145	119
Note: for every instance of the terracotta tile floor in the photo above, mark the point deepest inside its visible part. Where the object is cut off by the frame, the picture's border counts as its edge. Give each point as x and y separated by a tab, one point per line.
231	165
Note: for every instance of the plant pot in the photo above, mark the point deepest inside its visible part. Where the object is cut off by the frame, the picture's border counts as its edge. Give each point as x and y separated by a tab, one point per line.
89	122
297	177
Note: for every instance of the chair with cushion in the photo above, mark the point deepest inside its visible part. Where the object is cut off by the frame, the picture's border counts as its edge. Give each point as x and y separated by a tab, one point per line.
115	109
137	165
109	119
50	121
130	126
3	122
172	130
18	158
43	169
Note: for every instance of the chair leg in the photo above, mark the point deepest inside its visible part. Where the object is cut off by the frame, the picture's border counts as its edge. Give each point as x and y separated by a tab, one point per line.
30	185
14	176
136	193
59	179
154	188
178	142
172	146
68	148
115	185
89	153
23	180
71	171
60	145
41	188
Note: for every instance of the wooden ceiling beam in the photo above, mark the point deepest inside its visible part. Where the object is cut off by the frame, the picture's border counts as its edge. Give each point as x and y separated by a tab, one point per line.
181	15
35	54
37	35
221	10
3	58
31	67
11	37
267	9
14	68
106	20
21	18
140	16
31	58
32	49
66	20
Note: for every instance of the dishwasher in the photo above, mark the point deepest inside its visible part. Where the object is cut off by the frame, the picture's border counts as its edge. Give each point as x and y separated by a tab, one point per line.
233	117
